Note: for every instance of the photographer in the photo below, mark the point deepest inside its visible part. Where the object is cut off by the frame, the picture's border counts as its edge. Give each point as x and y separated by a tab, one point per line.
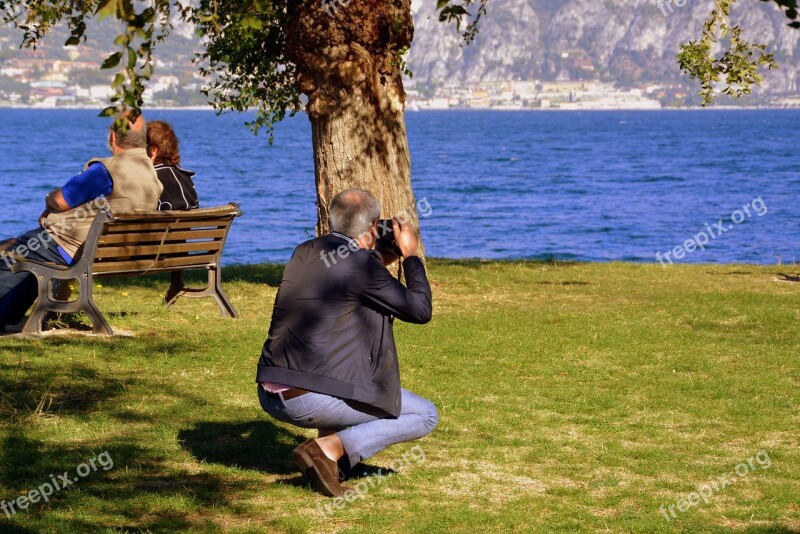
330	361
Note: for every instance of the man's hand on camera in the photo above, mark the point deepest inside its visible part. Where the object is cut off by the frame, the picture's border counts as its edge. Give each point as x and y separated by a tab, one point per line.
389	256
406	237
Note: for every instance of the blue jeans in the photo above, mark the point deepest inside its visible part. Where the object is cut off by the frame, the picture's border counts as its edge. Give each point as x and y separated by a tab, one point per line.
362	434
19	291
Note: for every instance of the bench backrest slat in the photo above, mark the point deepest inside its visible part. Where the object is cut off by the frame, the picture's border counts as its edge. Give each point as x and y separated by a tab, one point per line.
160	226
136	238
139	242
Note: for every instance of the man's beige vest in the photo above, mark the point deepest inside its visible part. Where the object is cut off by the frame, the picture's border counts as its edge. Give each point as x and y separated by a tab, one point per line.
135	187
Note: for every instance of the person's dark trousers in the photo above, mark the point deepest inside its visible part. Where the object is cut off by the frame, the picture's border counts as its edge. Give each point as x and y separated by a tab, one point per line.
18	291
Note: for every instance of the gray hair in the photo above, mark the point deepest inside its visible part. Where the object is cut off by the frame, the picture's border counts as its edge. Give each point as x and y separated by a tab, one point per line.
352	212
133	136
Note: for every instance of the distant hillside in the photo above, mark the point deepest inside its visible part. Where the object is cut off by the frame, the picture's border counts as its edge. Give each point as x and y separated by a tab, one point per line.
178	50
627	41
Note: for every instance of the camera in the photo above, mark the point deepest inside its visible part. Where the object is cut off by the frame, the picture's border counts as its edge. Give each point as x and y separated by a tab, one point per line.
386	241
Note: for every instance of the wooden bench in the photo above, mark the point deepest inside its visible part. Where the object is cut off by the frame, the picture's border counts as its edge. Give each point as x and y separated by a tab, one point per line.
129	244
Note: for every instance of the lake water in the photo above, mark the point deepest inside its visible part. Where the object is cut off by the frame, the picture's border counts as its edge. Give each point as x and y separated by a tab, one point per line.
597	186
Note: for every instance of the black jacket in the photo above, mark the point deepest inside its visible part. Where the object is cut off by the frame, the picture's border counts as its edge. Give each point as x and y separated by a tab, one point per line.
179	192
331	329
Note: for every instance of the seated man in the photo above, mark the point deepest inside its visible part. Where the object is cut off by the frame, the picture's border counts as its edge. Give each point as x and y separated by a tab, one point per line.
330	361
125	181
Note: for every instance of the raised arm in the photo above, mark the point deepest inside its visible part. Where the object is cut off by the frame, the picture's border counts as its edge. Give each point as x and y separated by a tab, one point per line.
411	304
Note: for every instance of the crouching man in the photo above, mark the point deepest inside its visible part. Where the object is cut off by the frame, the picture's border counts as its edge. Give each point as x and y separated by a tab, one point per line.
330	361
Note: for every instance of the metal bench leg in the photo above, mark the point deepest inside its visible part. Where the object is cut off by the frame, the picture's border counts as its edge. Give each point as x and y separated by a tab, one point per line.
86	303
226	309
33	325
46	305
213	289
99	323
59	276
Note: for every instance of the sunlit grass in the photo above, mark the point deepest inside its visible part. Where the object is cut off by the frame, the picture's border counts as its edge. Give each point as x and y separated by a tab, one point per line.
572	397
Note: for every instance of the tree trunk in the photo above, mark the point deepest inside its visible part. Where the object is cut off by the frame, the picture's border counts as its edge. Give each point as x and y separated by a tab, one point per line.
348	65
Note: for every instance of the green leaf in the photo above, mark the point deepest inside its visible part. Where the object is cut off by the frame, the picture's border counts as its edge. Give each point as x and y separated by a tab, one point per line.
119	79
455	11
130	99
111	61
109	8
251	22
441	3
73	40
110	111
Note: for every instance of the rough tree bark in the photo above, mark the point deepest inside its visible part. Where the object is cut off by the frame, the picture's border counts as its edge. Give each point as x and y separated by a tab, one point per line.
348	65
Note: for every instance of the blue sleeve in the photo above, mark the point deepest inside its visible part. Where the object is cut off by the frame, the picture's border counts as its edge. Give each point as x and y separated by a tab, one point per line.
88	185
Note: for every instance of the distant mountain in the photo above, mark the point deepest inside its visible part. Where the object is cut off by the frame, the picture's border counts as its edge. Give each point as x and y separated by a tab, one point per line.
630	42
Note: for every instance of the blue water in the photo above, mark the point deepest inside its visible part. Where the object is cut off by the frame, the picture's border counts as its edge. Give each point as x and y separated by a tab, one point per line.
573	185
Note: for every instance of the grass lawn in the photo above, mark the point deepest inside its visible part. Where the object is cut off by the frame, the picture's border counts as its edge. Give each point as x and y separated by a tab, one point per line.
572	397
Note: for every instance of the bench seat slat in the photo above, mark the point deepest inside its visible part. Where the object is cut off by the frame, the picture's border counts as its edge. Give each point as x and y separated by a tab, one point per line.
165	264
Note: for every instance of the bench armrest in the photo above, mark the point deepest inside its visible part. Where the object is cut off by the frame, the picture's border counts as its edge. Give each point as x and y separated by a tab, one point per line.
37	268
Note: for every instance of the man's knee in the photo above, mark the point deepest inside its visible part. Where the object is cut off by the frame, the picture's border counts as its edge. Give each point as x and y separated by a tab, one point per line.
430	417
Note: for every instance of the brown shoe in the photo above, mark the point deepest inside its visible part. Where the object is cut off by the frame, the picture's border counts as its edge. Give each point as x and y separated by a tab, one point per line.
323	472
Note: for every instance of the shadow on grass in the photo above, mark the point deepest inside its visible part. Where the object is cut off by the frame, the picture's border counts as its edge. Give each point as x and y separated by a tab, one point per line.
132	495
259	445
151	487
9	528
266	273
771	529
365	470
32	384
27	392
563	283
140	491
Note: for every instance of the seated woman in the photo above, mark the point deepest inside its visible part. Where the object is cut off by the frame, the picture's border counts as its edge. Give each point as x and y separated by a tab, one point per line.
162	147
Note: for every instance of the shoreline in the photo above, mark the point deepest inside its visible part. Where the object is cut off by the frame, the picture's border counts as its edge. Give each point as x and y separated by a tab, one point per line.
100	108
417	110
553	261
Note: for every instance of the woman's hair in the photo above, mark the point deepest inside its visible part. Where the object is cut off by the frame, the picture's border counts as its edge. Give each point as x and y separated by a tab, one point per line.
161	136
